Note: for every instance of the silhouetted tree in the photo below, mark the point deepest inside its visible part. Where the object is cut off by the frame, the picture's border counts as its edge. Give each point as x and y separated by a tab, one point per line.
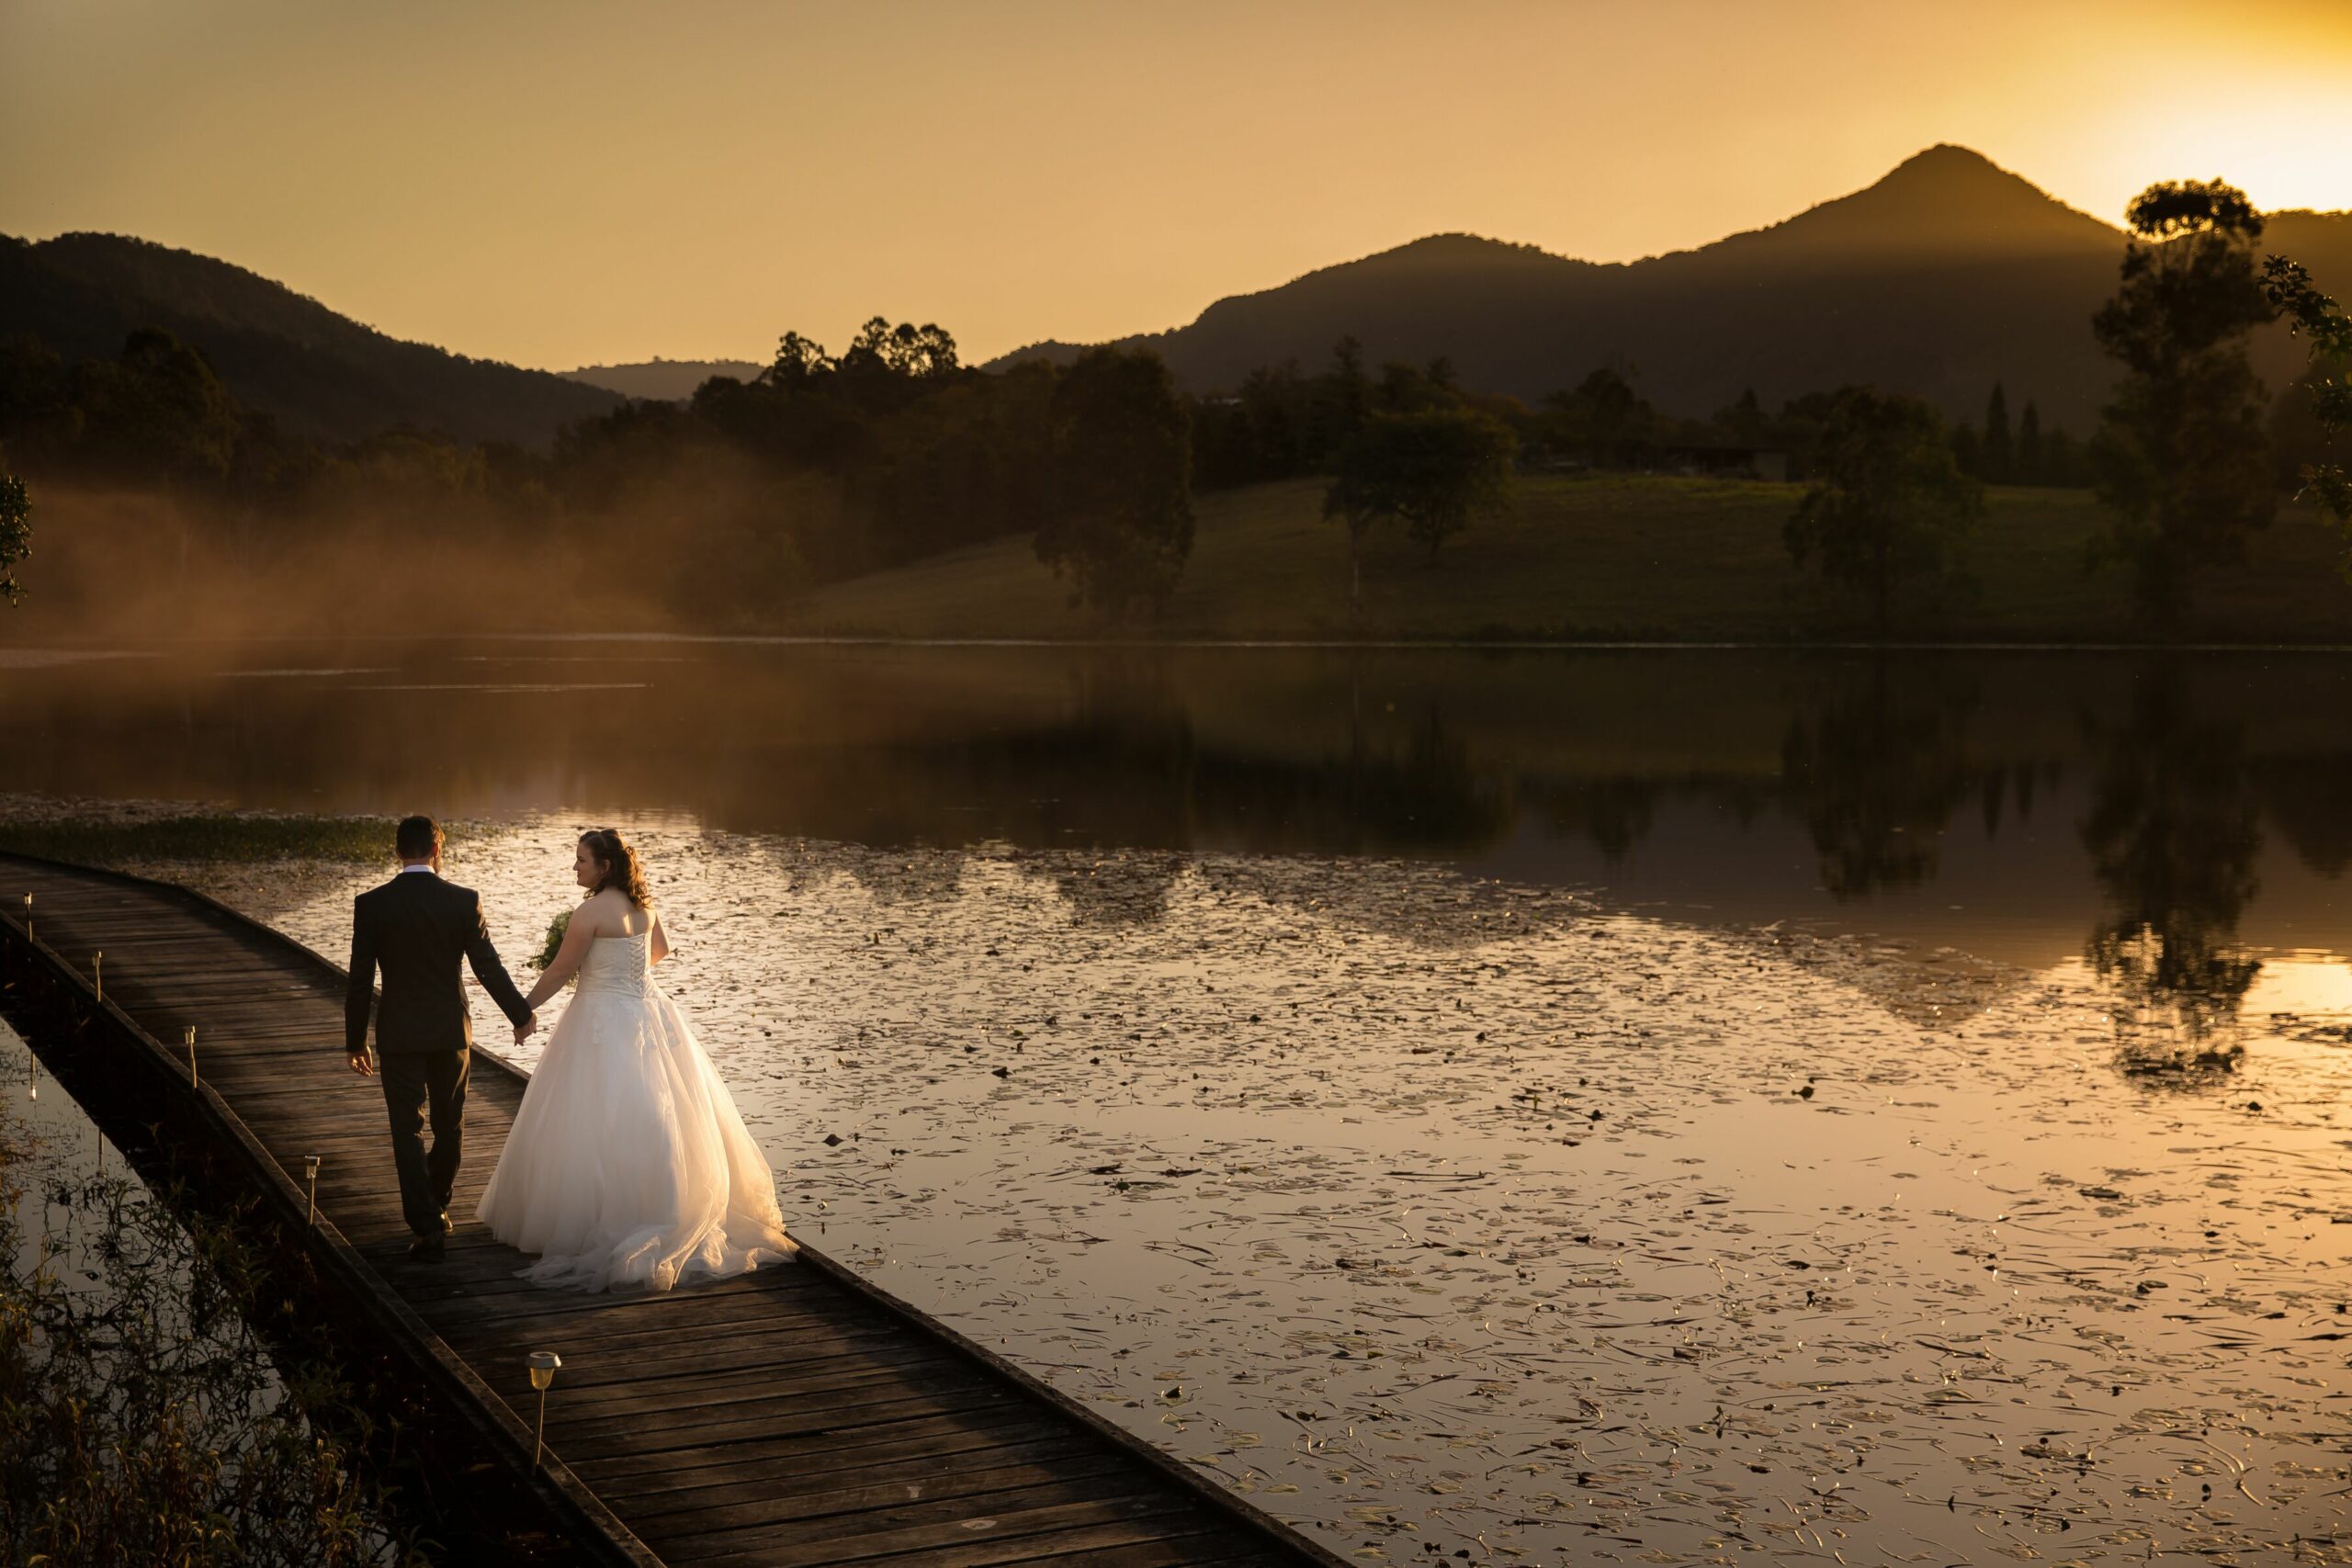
2179	454
1968	450
799	359
2326	386
1342	399
1889	503
2029	457
1603	417
1120	520
1999	458
1743	421
1432	470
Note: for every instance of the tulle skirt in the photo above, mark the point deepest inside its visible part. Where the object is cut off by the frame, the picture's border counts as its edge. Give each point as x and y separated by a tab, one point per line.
628	1165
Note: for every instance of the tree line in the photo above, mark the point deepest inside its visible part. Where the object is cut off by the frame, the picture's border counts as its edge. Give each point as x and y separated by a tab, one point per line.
825	465
2182	465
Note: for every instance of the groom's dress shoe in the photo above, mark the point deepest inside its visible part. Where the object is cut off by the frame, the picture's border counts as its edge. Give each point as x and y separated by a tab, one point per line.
426	1248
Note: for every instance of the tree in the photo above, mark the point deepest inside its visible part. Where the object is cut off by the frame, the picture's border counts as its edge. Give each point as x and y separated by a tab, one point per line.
1997	455
2027	470
15	534
1890	503
2180	456
1743	421
1120	519
798	360
1342	399
1603	416
1434	470
1968	450
2326	386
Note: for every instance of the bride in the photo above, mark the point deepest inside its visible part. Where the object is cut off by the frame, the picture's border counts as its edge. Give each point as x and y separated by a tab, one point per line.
628	1164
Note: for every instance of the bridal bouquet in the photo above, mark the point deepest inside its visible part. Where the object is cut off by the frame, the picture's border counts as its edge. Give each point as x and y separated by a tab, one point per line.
555	927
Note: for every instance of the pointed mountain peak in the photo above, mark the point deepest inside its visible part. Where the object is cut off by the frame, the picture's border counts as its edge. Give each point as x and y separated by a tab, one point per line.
1948	160
1946	201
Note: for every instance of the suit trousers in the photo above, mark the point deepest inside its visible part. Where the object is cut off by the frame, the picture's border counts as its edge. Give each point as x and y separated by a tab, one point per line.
412	1081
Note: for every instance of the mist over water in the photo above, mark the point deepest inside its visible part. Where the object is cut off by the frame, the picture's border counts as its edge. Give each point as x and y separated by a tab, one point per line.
1640	1107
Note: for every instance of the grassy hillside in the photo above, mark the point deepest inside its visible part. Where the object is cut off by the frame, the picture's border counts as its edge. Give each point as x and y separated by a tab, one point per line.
1594	560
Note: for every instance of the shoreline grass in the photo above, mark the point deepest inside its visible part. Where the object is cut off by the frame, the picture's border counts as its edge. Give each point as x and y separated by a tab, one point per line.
1598	561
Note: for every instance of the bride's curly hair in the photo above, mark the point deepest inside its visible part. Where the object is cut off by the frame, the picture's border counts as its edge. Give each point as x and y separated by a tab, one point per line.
622	869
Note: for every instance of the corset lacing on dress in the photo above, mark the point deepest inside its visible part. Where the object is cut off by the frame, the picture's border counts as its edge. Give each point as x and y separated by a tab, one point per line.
620	964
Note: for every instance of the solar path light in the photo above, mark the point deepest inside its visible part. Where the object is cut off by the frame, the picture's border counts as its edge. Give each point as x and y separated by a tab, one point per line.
310	1180
543	1365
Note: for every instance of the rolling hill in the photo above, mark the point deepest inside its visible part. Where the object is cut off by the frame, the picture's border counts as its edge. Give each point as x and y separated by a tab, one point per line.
672	380
1946	275
320	374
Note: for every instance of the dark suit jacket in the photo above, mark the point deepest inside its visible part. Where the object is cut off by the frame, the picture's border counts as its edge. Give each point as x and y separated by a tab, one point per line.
416	928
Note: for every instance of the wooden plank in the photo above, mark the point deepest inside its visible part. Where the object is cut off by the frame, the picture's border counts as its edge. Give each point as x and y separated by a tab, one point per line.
830	1470
970	1541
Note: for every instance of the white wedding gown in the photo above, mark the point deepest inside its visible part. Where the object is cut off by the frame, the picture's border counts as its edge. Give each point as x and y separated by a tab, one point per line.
628	1165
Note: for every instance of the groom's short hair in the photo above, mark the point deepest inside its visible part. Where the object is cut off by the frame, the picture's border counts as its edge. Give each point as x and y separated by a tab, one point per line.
417	838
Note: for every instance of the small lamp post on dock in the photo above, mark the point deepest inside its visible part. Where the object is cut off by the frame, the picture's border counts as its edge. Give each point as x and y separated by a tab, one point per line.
543	1368
98	978
310	1180
28	917
187	1037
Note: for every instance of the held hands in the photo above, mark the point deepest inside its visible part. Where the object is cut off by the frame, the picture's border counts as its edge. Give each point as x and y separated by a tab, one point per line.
525	1029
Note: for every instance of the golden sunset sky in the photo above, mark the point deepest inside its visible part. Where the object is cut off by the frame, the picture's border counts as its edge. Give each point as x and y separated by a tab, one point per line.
562	184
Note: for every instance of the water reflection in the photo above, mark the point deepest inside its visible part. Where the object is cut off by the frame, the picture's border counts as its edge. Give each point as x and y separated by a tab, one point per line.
2001	802
2173	833
1875	768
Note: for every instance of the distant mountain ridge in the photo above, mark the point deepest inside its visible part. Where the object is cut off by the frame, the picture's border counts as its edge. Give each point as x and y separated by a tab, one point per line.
1945	276
318	373
672	381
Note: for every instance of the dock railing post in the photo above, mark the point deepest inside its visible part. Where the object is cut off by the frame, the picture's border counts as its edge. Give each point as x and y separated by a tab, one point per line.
28	917
187	1035
543	1365
310	1180
98	978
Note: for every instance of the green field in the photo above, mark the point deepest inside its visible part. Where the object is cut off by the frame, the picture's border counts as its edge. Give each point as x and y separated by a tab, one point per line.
1596	559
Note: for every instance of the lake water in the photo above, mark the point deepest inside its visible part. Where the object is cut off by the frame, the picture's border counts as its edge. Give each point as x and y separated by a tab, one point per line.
1674	1107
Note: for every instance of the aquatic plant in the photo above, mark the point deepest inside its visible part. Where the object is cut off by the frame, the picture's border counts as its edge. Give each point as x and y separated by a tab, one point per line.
143	1418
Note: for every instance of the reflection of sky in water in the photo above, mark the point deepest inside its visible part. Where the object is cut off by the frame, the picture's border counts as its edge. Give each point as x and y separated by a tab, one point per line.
1436	1211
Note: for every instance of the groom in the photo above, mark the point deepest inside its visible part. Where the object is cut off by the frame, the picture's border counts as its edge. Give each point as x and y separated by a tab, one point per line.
416	928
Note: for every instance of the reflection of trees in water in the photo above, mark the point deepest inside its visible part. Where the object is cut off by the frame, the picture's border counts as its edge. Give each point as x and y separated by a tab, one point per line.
2305	797
1139	776
1122	890
927	876
1615	814
1876	770
2172	832
1426	795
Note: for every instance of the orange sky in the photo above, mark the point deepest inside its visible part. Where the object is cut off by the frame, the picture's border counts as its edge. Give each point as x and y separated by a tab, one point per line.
555	184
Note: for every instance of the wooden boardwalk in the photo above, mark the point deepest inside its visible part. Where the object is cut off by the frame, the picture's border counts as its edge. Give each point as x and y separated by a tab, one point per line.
795	1417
